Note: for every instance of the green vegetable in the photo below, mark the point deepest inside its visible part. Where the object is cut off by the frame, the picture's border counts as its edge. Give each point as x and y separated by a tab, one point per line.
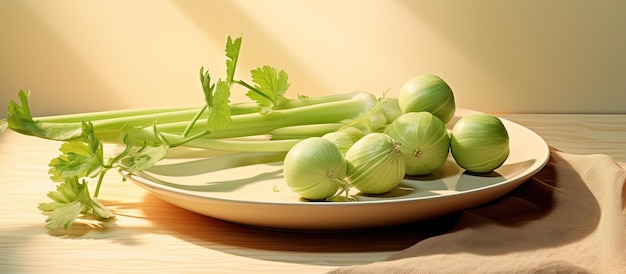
70	200
424	139
479	143
82	159
343	140
375	164
304	131
149	133
315	169
427	93
322	110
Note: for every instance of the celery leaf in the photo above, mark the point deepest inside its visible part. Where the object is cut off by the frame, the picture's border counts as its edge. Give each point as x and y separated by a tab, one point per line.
207	87
270	87
219	110
76	161
232	53
82	158
20	120
144	158
71	199
217	100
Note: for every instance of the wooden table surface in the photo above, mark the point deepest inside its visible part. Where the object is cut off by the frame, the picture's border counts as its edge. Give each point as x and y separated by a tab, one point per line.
151	236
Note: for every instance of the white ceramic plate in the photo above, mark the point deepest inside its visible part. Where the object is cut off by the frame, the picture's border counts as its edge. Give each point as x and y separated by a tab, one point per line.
235	188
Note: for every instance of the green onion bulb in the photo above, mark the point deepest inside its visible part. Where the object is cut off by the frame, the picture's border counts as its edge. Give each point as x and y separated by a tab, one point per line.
425	141
427	93
354	132
341	139
344	138
315	169
479	143
375	164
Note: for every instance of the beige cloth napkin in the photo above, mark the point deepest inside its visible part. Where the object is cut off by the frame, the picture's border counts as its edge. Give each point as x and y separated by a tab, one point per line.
568	218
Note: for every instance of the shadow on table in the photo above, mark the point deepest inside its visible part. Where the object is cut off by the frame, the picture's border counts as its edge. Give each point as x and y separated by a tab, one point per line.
538	211
206	231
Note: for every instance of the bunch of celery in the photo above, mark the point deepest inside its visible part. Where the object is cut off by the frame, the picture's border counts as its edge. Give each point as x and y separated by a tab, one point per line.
147	134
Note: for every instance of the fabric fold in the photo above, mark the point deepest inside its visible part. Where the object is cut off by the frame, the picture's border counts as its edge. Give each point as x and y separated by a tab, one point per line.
570	217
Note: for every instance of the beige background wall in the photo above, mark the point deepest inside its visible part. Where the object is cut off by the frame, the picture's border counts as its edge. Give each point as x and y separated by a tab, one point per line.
499	56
